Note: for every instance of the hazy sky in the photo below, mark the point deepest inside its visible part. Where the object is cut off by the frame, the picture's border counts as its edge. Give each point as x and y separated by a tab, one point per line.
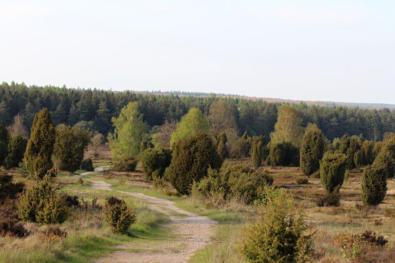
313	50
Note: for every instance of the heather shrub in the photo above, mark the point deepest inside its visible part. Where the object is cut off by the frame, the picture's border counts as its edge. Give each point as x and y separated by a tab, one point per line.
87	165
125	164
118	215
374	185
332	169
41	204
39	148
155	161
279	233
190	160
312	149
9	222
16	150
8	189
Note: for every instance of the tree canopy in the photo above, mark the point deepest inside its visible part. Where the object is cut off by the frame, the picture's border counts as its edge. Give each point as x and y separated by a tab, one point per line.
129	131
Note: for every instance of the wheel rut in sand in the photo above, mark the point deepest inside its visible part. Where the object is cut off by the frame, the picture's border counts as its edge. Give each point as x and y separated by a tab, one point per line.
193	232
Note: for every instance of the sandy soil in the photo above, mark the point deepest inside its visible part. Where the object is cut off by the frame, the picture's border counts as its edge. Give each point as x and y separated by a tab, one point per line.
193	232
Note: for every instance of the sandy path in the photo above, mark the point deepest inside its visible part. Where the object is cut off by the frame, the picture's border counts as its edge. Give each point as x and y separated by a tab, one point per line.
193	232
97	169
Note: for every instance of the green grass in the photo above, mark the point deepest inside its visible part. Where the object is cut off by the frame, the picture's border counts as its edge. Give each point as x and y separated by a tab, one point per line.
88	236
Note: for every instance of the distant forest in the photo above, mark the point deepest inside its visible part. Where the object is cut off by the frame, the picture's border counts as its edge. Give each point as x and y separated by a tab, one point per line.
95	108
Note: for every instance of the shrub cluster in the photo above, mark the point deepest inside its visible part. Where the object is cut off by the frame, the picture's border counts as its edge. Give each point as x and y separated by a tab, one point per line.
155	161
190	160
125	164
234	182
279	233
284	154
42	204
118	215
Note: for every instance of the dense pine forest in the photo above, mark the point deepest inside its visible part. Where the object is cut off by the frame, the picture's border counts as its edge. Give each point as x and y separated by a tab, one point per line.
95	108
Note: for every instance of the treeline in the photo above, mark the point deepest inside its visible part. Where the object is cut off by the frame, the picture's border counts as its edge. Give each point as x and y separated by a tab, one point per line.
95	108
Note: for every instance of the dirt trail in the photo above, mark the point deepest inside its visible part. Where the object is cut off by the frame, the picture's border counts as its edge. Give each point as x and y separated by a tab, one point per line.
193	232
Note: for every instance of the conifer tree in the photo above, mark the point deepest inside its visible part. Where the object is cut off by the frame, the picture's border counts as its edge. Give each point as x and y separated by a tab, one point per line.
222	149
312	149
257	150
332	169
374	185
40	145
4	138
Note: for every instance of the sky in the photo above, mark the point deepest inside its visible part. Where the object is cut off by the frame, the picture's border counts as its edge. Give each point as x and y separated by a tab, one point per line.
325	50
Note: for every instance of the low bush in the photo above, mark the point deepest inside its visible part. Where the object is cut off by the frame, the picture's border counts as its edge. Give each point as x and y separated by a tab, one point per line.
87	165
118	215
72	201
279	233
330	199
302	181
356	248
234	182
41	204
127	164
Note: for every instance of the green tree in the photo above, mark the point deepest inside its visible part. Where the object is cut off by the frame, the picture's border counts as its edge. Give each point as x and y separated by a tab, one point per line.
288	127
257	150
332	169
16	149
192	123
190	160
4	138
40	145
129	131
312	149
374	185
69	147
